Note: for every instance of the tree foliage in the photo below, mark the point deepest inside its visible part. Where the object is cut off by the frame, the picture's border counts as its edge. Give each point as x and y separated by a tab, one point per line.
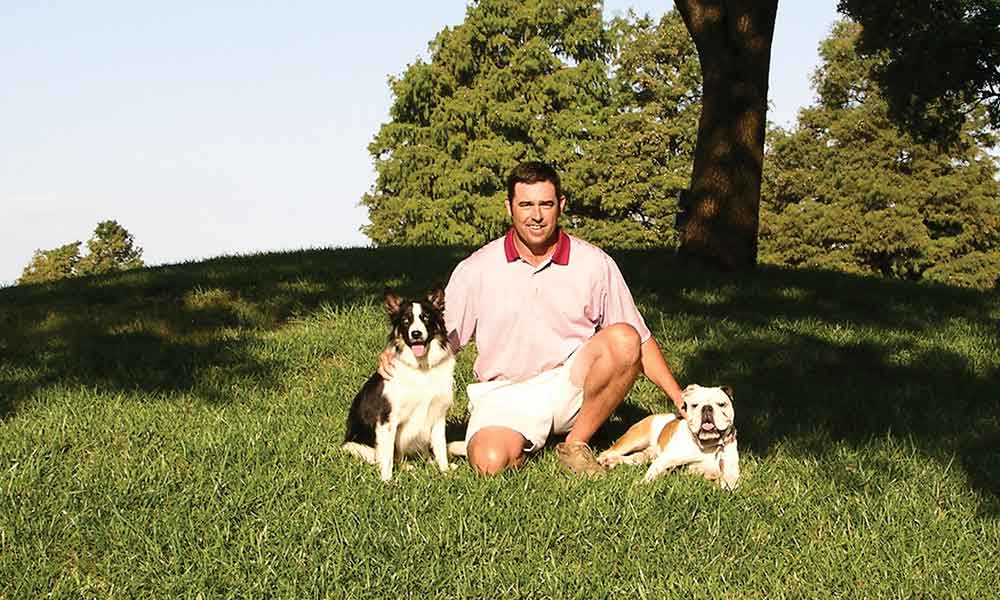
51	265
938	59
848	190
613	106
110	249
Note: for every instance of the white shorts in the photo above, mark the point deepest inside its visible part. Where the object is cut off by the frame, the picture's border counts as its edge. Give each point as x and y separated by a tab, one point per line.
544	404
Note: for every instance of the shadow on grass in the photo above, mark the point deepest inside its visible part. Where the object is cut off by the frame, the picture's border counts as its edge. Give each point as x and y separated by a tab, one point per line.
172	329
814	356
820	356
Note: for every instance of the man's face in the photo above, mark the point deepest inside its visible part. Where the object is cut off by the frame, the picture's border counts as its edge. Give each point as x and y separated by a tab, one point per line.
535	210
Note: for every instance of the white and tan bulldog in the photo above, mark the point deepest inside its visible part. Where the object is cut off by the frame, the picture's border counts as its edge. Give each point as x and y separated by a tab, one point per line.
707	445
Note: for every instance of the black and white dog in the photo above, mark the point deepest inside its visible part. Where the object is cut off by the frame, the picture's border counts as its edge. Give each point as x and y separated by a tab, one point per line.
406	414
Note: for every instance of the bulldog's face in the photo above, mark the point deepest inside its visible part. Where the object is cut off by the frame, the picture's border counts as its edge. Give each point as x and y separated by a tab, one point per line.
709	411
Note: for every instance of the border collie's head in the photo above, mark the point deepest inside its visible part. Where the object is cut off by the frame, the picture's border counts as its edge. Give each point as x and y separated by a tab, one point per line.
417	324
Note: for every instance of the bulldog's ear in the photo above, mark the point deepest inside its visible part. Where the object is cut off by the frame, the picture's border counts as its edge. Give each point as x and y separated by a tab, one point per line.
392	301
729	391
436	296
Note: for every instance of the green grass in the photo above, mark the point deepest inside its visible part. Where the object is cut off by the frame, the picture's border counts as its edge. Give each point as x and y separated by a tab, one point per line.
174	432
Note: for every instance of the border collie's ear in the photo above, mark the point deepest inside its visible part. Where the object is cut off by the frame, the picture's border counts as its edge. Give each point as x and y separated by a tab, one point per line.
436	296
392	301
729	391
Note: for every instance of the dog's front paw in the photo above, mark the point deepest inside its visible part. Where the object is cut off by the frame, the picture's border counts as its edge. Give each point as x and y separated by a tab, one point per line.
609	461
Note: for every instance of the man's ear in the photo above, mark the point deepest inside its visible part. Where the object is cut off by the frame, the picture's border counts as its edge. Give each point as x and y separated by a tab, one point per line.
392	301
729	391
436	296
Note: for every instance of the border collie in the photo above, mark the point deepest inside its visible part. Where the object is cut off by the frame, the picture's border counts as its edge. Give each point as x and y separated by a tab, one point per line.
406	414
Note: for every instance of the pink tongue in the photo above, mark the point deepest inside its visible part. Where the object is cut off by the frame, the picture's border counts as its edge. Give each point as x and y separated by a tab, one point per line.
708	426
418	350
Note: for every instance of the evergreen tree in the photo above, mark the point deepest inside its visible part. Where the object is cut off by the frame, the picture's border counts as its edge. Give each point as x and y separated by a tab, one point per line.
110	249
610	105
51	265
846	189
940	57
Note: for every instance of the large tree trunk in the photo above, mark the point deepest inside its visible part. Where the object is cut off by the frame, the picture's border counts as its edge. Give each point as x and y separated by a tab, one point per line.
733	38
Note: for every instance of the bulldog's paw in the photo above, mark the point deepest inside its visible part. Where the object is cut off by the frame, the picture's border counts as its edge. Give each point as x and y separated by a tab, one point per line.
609	460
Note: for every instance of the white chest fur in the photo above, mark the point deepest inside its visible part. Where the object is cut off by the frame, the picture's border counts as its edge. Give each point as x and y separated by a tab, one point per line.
419	399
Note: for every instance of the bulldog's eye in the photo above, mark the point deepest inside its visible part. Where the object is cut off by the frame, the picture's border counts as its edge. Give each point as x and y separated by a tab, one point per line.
721	404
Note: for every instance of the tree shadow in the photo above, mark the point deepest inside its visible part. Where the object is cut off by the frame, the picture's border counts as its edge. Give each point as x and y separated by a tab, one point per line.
177	328
815	357
819	357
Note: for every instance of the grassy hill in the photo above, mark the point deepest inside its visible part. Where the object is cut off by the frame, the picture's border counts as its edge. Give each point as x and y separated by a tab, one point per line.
174	431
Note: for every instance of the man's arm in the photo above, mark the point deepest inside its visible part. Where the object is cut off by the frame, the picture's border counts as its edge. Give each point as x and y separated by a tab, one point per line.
654	366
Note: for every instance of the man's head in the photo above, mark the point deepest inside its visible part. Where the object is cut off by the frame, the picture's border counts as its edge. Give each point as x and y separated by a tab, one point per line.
534	203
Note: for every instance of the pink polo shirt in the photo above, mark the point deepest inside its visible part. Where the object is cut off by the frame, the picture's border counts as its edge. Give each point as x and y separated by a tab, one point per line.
528	319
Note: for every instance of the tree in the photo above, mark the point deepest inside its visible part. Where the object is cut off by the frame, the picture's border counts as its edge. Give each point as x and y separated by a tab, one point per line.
110	249
611	105
940	58
733	38
51	265
847	189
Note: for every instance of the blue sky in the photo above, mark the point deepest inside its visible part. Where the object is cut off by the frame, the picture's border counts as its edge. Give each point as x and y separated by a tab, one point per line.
224	127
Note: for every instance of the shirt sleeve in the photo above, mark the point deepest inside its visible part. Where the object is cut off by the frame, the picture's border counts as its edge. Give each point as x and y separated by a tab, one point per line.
460	306
618	305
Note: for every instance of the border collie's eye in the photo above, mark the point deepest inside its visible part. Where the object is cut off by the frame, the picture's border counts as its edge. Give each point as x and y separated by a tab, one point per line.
424	317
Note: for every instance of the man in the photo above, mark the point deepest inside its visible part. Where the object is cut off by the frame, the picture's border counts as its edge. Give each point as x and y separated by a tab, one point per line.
559	337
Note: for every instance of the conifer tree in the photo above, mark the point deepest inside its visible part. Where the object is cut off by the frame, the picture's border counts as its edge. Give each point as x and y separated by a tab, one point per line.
611	106
847	189
110	249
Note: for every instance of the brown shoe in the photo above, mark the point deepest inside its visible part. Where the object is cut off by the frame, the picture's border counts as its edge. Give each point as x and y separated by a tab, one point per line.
579	459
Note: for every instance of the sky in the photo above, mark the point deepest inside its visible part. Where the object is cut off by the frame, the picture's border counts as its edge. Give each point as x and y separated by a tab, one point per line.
231	127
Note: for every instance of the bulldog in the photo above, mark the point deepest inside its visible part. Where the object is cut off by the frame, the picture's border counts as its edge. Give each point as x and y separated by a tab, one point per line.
705	441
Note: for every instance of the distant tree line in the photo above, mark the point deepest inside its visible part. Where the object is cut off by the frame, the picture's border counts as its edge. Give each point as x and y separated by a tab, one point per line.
110	249
615	107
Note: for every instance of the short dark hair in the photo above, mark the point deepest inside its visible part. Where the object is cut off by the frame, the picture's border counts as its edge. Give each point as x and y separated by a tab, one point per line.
533	172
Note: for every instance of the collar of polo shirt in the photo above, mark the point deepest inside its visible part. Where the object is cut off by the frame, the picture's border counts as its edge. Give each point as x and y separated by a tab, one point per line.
559	257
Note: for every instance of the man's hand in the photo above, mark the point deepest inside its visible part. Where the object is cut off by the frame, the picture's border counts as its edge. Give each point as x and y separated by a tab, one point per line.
679	403
385	367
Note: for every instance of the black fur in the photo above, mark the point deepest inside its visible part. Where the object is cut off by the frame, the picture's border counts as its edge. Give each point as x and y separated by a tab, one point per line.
368	408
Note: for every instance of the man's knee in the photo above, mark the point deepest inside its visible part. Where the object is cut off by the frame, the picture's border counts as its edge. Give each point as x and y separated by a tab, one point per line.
623	344
490	453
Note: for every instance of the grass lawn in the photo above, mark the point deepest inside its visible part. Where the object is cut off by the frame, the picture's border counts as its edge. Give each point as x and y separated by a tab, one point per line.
174	432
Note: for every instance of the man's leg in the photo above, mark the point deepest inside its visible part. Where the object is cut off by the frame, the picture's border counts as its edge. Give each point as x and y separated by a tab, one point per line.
606	368
495	448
